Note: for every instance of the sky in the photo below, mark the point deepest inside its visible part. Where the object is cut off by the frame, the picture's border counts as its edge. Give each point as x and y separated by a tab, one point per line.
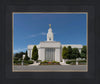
31	28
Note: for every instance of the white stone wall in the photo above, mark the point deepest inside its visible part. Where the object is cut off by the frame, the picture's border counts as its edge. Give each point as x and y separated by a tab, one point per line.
61	54
39	58
42	54
29	53
50	44
57	54
73	45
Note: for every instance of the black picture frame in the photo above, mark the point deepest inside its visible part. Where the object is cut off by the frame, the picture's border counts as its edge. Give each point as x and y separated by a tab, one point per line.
9	77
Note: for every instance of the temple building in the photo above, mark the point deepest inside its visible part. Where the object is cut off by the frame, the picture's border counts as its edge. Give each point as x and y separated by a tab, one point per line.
50	50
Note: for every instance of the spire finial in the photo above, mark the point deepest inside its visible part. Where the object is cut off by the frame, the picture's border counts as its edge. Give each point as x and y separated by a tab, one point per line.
49	25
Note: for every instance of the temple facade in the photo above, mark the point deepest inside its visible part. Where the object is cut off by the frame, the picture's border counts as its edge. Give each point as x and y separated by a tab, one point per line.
50	50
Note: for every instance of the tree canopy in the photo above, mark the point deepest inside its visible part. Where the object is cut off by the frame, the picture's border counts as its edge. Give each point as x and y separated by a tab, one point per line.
69	55
83	52
18	56
26	56
35	53
75	53
64	52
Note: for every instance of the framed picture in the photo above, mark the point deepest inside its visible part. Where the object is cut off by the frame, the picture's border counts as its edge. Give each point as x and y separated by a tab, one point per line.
53	42
45	54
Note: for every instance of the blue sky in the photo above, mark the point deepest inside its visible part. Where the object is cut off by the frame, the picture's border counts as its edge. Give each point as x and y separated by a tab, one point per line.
30	29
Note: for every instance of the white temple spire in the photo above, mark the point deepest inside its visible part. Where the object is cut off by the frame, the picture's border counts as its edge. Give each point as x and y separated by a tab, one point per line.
49	25
50	34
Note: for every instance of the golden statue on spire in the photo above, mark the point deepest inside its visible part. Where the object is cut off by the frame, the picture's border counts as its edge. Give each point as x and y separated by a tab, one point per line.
49	25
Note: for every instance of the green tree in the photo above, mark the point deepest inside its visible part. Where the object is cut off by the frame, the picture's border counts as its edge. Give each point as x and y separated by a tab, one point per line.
64	52
75	53
26	56
69	55
35	53
83	52
15	58
18	56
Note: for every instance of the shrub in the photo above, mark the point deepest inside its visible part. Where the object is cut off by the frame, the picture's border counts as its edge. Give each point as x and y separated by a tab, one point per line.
39	61
28	62
45	61
69	62
16	58
82	61
49	63
74	62
53	61
17	62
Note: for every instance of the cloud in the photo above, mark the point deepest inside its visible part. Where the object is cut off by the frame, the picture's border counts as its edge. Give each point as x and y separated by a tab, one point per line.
19	50
38	34
35	35
43	33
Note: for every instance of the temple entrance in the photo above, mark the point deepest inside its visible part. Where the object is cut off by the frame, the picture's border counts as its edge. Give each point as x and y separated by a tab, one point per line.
49	54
